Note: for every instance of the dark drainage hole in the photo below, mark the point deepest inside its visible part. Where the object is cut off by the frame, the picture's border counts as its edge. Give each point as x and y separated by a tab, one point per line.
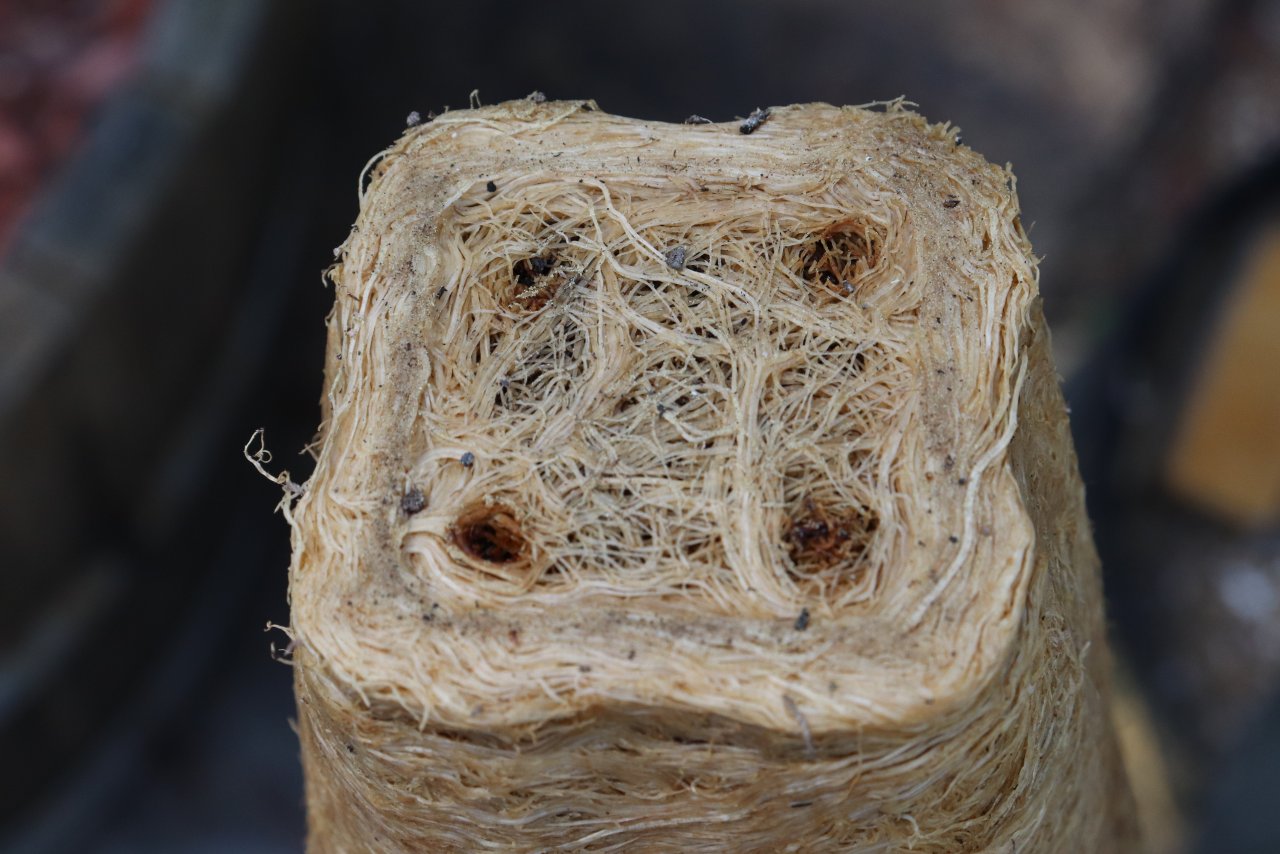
535	282
821	538
833	261
490	534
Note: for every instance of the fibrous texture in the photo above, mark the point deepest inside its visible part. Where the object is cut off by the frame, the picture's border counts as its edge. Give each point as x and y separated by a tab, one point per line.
686	489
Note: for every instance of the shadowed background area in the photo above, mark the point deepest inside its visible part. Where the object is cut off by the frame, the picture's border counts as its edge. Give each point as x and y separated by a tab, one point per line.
175	173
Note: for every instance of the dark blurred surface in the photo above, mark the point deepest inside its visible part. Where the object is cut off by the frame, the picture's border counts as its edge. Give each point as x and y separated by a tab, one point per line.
161	299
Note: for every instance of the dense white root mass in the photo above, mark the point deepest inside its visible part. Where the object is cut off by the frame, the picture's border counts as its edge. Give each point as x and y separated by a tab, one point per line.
687	489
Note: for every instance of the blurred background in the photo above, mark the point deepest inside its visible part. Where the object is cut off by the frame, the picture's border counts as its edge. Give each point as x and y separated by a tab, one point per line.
174	175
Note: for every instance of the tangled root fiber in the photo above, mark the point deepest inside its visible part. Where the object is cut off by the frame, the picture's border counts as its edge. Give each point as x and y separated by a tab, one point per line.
685	489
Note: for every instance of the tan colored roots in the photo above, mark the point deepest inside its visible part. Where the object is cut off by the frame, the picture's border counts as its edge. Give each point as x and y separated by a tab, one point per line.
684	490
624	403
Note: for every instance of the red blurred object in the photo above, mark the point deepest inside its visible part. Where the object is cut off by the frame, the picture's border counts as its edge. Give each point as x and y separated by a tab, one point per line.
58	60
